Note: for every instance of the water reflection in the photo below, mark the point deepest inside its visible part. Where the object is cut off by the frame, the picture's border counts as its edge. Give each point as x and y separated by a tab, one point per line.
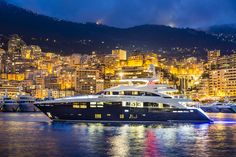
23	137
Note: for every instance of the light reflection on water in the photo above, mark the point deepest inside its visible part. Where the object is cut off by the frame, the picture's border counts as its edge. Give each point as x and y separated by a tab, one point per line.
34	135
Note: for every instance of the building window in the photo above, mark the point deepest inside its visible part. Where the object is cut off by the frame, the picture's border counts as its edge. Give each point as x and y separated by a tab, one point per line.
98	116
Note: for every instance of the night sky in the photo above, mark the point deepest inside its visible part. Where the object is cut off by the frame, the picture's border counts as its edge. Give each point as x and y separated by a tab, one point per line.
127	13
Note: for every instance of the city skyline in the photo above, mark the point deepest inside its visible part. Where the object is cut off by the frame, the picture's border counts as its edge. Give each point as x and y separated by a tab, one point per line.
180	13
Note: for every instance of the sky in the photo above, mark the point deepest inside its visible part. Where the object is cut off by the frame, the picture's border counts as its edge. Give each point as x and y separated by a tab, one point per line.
128	13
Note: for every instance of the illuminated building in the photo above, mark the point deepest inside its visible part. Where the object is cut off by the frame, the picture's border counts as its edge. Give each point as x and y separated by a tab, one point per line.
132	72
2	52
203	88
150	58
121	54
15	44
111	63
13	77
43	93
51	82
222	82
88	81
75	59
222	75
36	51
225	62
11	89
39	81
66	78
136	60
31	52
26	52
213	55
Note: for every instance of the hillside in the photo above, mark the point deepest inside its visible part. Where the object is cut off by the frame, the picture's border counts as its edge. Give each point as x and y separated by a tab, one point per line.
67	37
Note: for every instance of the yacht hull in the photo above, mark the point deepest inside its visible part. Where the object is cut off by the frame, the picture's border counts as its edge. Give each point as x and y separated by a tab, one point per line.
28	108
10	108
219	109
115	113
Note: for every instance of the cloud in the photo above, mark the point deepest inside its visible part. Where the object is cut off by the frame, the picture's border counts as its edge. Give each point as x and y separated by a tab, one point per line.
127	13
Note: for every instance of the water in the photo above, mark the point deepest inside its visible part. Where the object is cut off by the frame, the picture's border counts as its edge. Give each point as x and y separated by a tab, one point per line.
34	135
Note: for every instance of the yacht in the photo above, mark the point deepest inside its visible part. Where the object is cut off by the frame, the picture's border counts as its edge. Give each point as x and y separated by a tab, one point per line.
147	102
220	107
8	104
26	103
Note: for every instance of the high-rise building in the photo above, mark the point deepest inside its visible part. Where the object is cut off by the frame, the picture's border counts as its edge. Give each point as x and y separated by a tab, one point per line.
2	52
51	82
222	82
88	81
212	56
203	88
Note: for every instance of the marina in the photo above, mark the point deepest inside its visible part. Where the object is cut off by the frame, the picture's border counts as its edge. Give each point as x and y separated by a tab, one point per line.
33	134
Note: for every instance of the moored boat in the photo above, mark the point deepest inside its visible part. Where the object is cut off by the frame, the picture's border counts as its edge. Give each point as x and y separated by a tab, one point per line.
219	107
132	103
26	103
8	104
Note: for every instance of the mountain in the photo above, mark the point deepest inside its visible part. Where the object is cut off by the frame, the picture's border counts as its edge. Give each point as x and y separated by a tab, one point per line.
226	32
225	29
66	37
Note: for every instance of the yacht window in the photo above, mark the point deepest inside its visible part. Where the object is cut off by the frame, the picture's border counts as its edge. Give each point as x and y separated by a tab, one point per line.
127	92
112	103
166	106
151	94
115	93
98	116
141	93
107	93
122	116
156	105
107	103
100	93
168	97
151	104
134	93
121	92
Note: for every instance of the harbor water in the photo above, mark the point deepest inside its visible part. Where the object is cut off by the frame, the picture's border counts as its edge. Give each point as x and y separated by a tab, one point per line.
34	135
